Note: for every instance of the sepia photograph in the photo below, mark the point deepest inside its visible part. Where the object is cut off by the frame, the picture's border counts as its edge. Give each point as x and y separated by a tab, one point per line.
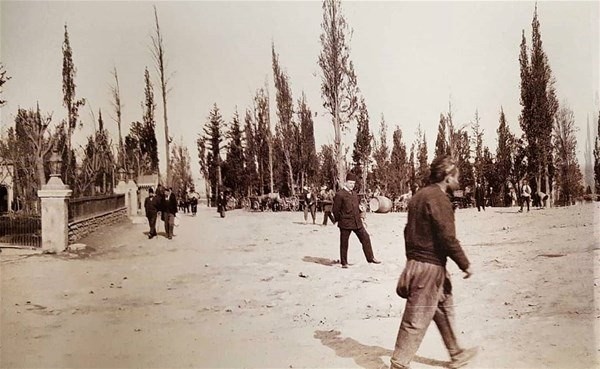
300	184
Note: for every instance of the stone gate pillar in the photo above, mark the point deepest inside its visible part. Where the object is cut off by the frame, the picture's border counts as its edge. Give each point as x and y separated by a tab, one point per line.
54	197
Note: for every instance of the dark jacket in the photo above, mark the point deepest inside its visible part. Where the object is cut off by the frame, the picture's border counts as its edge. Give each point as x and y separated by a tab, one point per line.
169	205
152	205
479	194
346	211
430	234
221	203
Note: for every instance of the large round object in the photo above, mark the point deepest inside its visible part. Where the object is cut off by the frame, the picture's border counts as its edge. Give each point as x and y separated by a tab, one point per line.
380	204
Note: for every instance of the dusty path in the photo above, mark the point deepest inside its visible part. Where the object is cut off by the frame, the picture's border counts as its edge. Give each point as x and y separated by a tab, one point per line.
257	290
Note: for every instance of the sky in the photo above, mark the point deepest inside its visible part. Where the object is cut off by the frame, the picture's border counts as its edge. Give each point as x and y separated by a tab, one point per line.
412	60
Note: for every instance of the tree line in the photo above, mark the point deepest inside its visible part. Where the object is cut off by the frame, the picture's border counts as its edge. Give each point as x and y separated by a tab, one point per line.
254	153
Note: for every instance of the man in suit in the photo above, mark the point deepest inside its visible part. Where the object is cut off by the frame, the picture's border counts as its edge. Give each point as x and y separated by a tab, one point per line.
479	196
346	213
221	204
169	209
151	205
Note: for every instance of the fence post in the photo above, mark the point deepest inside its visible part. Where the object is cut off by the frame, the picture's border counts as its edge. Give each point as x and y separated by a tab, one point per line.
54	197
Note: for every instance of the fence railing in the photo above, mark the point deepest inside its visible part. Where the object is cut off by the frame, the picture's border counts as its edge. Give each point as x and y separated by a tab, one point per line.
86	207
22	227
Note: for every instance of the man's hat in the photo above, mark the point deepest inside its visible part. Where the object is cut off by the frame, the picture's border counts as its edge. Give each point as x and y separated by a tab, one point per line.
150	190
350	177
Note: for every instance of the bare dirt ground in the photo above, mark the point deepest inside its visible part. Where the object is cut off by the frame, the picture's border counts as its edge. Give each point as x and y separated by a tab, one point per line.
260	290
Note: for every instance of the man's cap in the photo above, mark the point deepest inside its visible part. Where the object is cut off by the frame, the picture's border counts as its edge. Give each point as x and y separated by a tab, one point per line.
150	190
350	177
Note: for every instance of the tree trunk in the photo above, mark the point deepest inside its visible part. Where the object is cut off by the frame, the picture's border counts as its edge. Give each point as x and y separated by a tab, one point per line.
39	163
341	170
291	174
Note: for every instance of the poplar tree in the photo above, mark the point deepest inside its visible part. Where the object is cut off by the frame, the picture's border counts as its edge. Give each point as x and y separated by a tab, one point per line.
363	145
339	87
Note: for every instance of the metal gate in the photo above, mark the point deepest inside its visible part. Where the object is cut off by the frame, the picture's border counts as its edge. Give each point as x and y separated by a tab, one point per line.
21	227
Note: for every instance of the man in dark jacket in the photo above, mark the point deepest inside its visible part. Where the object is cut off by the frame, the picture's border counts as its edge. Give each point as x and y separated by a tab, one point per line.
430	237
169	209
151	205
346	213
479	196
221	204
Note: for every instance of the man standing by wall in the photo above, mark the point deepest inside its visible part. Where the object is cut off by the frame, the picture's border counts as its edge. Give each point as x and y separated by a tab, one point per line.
346	213
430	237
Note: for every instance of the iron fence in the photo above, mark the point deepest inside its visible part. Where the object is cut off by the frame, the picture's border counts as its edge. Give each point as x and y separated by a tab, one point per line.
86	207
21	227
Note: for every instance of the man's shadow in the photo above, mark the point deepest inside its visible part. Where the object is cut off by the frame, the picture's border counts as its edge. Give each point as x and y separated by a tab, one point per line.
318	260
368	357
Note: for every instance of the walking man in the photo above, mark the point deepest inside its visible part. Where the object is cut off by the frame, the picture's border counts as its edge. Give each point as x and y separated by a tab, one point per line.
151	205
430	237
346	213
310	204
169	209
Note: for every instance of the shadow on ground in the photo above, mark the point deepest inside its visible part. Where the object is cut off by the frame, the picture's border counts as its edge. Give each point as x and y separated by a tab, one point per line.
368	357
318	260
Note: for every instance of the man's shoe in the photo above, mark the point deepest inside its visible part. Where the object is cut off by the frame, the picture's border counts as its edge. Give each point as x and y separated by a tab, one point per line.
463	357
375	261
345	266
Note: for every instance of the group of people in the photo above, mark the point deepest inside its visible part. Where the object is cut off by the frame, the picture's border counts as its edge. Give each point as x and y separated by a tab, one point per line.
430	239
164	202
311	199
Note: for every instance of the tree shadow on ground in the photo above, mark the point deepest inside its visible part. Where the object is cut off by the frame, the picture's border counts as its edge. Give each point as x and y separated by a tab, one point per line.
368	357
318	260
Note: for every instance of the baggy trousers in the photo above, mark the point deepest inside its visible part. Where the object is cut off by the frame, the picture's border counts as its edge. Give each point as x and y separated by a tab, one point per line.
169	223
428	291
313	212
363	237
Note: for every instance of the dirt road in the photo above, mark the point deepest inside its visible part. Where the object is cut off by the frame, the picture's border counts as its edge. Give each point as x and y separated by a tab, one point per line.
258	290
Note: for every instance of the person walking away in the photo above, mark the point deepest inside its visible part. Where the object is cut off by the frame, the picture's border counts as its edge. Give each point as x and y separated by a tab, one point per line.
221	204
151	205
525	195
430	237
169	209
479	196
347	214
310	204
328	206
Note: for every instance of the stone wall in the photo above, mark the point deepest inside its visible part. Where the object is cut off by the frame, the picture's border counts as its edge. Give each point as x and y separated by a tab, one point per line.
83	227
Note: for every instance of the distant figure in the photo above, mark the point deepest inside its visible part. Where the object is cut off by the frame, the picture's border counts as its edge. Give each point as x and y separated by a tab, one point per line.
151	205
310	204
539	199
430	238
169	209
328	196
347	214
221	204
525	195
193	196
479	196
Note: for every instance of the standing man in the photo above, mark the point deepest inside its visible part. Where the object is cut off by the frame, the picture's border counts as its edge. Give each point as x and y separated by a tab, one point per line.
221	204
151	205
310	204
328	206
169	209
346	213
430	237
525	195
479	196
193	196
